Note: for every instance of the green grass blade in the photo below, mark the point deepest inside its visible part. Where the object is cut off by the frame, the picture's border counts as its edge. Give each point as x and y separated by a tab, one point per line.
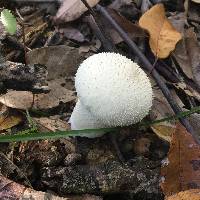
28	136
171	118
50	135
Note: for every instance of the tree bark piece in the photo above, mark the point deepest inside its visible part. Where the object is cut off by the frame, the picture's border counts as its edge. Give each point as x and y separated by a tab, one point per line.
24	77
108	177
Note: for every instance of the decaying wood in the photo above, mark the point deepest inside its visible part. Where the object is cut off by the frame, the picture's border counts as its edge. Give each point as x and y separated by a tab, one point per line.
108	177
24	77
10	190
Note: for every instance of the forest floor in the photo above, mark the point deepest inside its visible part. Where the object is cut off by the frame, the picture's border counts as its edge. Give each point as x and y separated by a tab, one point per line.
158	158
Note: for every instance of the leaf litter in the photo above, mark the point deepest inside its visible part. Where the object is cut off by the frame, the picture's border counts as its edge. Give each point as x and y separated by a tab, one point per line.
172	36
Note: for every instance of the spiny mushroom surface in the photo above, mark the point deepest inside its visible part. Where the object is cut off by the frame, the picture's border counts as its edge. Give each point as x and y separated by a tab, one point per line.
115	90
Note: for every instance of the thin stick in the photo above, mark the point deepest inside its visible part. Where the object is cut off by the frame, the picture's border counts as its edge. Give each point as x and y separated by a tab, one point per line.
148	66
103	37
88	7
23	34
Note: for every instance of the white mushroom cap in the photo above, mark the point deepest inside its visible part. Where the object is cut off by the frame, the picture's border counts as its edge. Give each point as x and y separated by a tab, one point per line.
114	89
82	119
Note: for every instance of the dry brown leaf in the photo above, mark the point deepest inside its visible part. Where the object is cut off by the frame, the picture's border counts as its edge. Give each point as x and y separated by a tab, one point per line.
193	194
163	36
181	171
25	100
119	3
72	9
187	90
181	56
52	123
133	30
56	95
17	99
178	20
61	61
193	49
187	54
72	33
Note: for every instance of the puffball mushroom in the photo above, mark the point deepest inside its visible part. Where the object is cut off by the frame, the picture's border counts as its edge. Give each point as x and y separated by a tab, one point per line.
113	89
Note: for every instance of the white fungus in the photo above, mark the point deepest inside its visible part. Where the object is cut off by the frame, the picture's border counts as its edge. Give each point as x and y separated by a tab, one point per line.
115	90
112	91
82	119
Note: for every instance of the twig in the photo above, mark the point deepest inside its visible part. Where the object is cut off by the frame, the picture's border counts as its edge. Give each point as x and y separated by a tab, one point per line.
23	33
116	146
50	39
148	66
88	7
104	37
95	28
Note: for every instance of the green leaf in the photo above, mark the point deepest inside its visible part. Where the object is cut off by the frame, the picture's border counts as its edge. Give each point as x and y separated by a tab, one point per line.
9	21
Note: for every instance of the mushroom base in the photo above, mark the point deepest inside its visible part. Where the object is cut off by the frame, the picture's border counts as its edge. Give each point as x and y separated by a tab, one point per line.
81	118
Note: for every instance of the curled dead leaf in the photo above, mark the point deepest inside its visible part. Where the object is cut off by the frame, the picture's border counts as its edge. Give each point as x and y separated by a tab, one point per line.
52	99
163	36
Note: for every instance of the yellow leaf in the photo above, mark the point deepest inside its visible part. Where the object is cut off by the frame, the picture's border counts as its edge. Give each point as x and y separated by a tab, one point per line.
8	119
163	36
164	131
